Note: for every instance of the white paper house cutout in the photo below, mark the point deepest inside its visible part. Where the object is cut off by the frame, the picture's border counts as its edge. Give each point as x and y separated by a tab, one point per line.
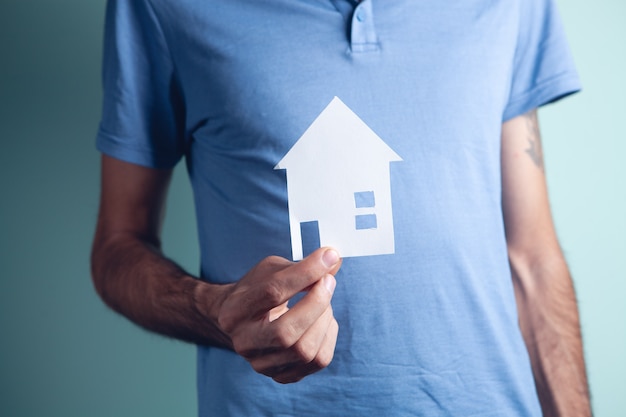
338	175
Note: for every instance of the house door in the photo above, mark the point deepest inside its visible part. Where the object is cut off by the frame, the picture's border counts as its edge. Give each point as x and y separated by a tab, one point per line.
310	232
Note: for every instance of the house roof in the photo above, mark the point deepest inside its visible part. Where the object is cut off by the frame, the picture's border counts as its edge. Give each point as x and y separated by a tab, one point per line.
338	137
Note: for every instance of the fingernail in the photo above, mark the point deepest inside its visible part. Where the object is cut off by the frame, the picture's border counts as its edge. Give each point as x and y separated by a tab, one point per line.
330	257
329	283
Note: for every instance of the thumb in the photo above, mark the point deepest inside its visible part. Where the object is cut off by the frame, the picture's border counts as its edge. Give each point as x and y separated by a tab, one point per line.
301	275
327	257
331	258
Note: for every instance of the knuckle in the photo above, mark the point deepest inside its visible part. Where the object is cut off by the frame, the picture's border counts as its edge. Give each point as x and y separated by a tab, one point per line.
244	346
226	322
272	264
264	264
272	260
320	297
304	351
245	351
272	292
284	380
324	359
284	336
240	347
260	368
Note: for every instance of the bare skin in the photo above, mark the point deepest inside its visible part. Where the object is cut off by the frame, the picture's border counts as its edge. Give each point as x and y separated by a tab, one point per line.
543	287
250	317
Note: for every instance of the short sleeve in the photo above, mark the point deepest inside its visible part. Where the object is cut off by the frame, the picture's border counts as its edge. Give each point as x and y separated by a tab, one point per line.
142	112
543	68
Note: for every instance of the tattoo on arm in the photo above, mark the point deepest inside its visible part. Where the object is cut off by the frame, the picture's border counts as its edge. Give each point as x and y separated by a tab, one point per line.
534	150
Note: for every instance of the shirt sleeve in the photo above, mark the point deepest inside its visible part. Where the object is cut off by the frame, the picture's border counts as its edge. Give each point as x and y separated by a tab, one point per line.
142	112
543	69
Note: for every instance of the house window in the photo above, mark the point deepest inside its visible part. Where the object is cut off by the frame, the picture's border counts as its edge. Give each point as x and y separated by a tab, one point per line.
365	221
365	201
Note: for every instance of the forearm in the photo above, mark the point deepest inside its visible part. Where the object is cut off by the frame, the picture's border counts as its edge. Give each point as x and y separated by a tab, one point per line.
137	281
550	326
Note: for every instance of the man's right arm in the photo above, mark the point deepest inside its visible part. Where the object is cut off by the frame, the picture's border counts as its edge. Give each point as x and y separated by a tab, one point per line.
251	317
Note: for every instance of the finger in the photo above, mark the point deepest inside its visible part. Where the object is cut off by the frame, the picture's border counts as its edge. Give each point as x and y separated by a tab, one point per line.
292	325
305	350
258	339
255	294
322	360
333	271
302	275
275	281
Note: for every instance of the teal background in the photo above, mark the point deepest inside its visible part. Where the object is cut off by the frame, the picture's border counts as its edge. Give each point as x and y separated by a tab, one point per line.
62	353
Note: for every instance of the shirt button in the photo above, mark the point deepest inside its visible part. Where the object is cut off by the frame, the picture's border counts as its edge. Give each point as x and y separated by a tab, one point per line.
360	15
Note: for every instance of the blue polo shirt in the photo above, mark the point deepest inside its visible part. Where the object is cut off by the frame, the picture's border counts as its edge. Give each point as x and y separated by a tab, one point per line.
230	86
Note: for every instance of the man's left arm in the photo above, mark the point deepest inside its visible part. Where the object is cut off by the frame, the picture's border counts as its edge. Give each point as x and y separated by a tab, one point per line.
546	301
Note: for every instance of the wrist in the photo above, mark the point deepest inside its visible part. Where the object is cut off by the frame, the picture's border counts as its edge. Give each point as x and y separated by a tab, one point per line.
207	301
